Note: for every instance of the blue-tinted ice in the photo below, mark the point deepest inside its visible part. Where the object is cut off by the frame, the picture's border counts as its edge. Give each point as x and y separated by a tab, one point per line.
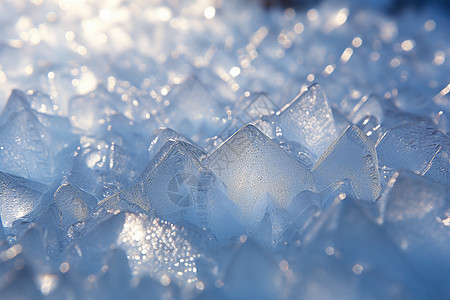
308	120
351	156
185	150
253	169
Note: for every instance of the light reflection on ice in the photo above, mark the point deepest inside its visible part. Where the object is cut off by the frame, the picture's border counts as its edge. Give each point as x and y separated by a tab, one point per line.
159	249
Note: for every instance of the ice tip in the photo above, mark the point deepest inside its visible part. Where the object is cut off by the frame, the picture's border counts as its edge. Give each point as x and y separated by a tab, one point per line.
16	93
249	129
356	130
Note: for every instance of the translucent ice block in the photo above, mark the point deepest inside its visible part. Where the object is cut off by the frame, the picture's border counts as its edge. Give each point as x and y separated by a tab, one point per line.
417	147
351	156
251	165
253	273
308	120
172	186
94	160
160	137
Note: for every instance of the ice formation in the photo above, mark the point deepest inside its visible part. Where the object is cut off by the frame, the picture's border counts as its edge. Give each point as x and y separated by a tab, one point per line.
224	150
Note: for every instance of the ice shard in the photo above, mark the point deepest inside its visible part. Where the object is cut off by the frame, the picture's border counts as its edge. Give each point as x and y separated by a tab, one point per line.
251	165
32	144
351	156
309	120
417	147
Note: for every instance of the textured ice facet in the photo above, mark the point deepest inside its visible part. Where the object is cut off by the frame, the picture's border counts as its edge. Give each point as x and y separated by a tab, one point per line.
417	147
73	204
19	198
308	120
254	107
257	109
31	143
351	156
251	165
253	272
172	185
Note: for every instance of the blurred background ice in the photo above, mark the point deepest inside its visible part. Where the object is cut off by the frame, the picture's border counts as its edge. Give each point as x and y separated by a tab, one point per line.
129	170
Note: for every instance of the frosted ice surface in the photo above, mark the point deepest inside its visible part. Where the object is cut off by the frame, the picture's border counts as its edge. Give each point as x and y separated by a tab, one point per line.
252	209
73	204
63	217
309	120
171	185
251	165
417	147
160	137
19	198
23	141
33	145
351	156
417	218
257	109
439	167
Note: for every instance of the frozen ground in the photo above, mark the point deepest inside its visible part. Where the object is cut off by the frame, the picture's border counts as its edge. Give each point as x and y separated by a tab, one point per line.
224	150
